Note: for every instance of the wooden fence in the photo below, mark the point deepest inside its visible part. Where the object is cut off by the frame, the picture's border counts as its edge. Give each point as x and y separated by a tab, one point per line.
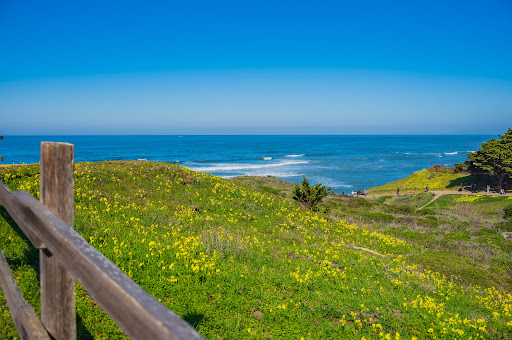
65	256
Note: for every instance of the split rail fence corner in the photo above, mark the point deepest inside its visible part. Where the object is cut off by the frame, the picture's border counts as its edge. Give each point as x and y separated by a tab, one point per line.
65	256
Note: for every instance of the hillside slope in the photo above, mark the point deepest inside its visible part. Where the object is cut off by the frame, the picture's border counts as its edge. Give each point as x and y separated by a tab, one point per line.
240	263
437	178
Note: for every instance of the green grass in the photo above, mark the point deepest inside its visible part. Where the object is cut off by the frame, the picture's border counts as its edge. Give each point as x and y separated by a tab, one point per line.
419	180
479	203
415	201
237	263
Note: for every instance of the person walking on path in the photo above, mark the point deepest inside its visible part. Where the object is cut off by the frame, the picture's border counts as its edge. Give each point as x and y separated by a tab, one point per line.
398	192
427	188
460	187
488	187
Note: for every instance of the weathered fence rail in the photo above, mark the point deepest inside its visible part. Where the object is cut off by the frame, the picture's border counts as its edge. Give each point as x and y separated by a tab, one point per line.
136	312
25	318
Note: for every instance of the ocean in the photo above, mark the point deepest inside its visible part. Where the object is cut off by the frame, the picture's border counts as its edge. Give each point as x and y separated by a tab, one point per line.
344	163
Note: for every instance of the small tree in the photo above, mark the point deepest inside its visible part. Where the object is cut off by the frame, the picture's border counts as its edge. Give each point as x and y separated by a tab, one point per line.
309	196
494	158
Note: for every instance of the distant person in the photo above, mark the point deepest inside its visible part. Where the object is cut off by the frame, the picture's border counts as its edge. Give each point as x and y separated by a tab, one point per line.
427	188
488	188
460	187
398	191
501	190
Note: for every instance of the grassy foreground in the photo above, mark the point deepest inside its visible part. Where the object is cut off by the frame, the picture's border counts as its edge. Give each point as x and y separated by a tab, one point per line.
236	262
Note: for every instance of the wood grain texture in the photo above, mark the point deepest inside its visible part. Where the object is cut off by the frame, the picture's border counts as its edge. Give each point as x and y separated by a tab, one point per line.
28	324
6	199
9	286
25	318
58	311
138	314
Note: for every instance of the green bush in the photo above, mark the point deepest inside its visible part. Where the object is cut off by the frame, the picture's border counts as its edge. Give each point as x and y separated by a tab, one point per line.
426	211
487	232
400	209
505	226
309	196
507	211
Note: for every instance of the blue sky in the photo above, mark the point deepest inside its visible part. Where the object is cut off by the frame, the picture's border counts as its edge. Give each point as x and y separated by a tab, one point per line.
255	67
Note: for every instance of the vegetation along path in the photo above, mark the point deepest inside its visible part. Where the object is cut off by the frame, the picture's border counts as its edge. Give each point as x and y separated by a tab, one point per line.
438	193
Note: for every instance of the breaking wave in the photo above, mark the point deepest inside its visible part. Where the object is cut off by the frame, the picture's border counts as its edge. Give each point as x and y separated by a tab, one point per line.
241	166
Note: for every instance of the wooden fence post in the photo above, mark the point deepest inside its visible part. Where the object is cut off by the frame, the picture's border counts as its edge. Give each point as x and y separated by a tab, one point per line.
58	312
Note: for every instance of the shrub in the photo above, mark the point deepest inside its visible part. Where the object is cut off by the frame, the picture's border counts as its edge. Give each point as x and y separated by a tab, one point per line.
309	196
505	226
401	209
426	211
507	211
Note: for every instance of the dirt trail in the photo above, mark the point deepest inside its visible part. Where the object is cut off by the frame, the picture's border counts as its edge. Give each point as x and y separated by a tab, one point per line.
439	193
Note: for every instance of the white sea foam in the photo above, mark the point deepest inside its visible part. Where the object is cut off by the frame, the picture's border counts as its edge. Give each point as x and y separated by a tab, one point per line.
240	166
264	174
451	153
266	158
293	156
275	174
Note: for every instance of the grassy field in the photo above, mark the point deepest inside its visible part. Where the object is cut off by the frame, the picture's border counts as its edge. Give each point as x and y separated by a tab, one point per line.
239	259
436	178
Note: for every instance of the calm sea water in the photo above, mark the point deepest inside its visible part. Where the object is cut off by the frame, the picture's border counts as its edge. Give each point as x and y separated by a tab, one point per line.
344	163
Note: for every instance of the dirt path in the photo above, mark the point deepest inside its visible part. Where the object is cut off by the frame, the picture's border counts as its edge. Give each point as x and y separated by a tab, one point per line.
439	193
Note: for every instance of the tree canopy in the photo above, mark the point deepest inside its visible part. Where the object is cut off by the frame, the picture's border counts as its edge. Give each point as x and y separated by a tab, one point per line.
309	196
494	158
